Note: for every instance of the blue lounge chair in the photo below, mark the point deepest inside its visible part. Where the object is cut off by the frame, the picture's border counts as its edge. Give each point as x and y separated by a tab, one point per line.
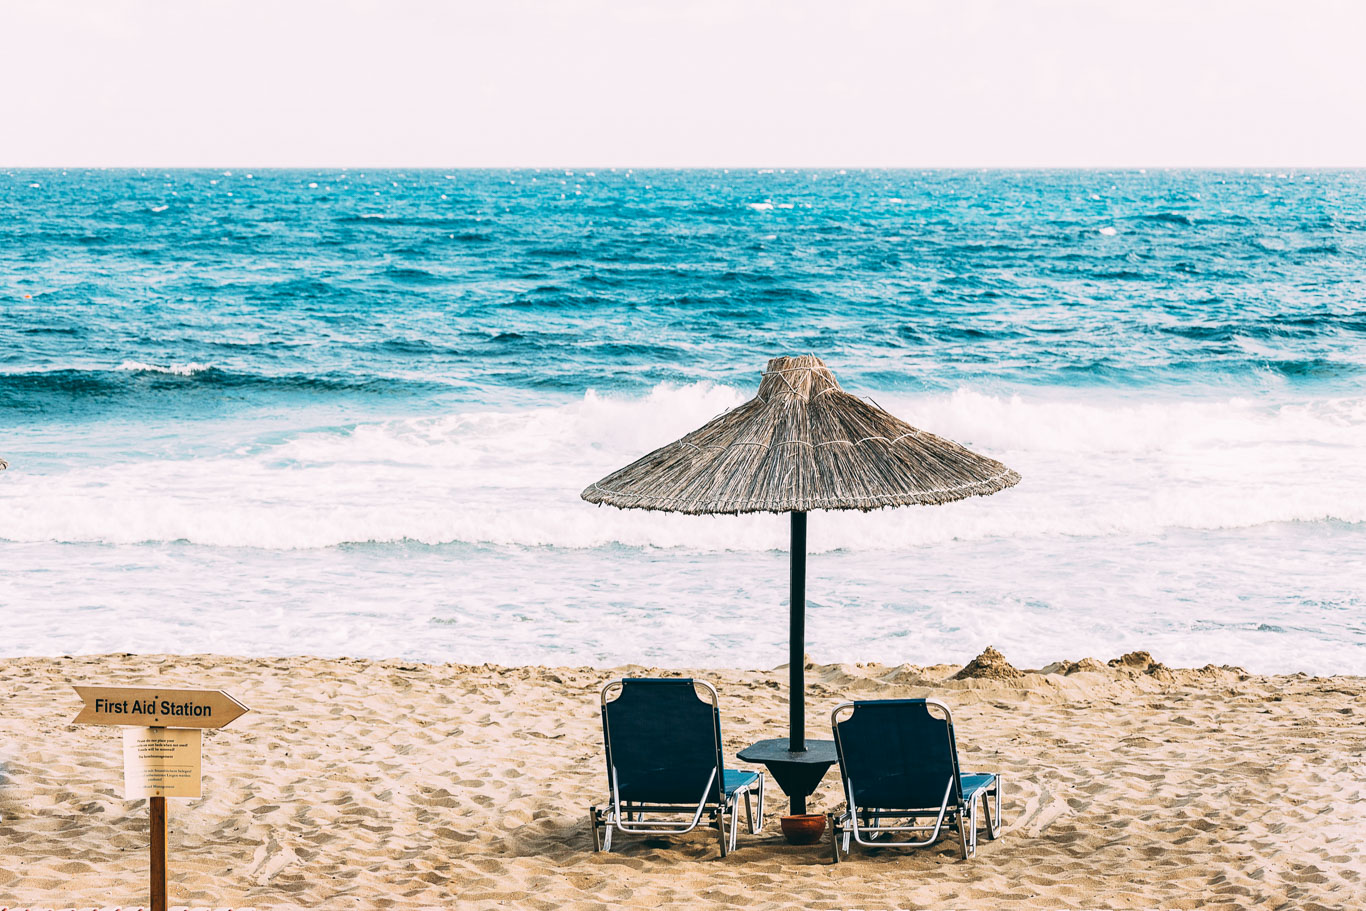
899	763
663	743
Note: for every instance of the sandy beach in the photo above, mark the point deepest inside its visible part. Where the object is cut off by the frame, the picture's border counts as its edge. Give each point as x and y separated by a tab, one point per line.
395	785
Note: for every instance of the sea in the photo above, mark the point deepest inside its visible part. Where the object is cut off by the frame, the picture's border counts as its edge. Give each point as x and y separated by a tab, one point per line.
350	412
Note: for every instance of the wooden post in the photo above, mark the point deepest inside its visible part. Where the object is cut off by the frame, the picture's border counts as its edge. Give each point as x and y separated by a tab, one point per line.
157	809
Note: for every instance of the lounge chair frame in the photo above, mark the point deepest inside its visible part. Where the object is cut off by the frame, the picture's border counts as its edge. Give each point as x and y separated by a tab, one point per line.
713	804
866	826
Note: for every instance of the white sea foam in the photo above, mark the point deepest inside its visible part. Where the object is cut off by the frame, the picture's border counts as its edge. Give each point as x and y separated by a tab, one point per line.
1091	468
1225	530
176	369
1275	602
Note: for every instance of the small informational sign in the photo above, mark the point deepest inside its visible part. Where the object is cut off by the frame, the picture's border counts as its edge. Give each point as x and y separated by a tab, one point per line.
161	762
147	706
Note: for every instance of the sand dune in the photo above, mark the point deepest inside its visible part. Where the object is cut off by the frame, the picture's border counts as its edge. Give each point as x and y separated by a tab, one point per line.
396	785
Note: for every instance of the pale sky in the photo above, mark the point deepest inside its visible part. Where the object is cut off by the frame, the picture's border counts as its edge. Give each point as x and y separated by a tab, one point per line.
858	83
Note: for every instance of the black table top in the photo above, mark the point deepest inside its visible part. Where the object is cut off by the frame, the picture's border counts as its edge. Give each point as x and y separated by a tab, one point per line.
766	751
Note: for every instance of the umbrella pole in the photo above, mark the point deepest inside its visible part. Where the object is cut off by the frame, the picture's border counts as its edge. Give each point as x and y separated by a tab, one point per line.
797	638
796	665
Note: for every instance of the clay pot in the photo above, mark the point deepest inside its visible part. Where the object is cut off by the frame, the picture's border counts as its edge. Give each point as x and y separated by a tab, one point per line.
806	829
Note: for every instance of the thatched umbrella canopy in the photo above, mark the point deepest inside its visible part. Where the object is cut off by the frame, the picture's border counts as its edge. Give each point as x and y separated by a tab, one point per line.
802	443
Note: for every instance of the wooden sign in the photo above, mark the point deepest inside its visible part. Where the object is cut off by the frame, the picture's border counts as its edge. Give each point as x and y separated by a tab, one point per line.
149	706
161	762
160	757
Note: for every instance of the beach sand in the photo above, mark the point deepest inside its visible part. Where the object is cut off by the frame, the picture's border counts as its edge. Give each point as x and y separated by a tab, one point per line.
363	784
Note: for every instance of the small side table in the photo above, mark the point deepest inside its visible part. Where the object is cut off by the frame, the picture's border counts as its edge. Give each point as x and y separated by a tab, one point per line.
797	773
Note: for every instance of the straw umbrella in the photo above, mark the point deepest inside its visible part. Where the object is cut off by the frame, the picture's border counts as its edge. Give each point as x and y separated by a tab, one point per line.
802	443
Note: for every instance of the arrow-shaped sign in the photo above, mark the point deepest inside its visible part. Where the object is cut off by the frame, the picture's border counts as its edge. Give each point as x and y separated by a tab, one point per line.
154	707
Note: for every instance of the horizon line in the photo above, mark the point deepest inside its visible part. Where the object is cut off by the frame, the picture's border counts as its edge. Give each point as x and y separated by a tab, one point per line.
688	167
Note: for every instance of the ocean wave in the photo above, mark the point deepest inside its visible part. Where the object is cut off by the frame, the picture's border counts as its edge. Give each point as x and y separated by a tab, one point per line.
39	391
411	275
189	369
385	220
1167	218
1091	468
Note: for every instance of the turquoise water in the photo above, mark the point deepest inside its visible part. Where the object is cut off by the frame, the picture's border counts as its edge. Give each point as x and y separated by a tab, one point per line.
348	412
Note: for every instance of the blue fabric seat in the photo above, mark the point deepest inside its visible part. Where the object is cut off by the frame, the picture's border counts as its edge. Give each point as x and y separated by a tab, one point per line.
734	781
971	784
899	764
662	741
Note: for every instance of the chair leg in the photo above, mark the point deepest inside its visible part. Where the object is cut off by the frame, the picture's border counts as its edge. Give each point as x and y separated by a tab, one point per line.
734	823
995	822
976	822
833	822
963	814
721	828
755	817
868	820
593	824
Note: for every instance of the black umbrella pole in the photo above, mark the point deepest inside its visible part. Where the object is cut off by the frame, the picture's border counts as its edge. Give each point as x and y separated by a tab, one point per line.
797	638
